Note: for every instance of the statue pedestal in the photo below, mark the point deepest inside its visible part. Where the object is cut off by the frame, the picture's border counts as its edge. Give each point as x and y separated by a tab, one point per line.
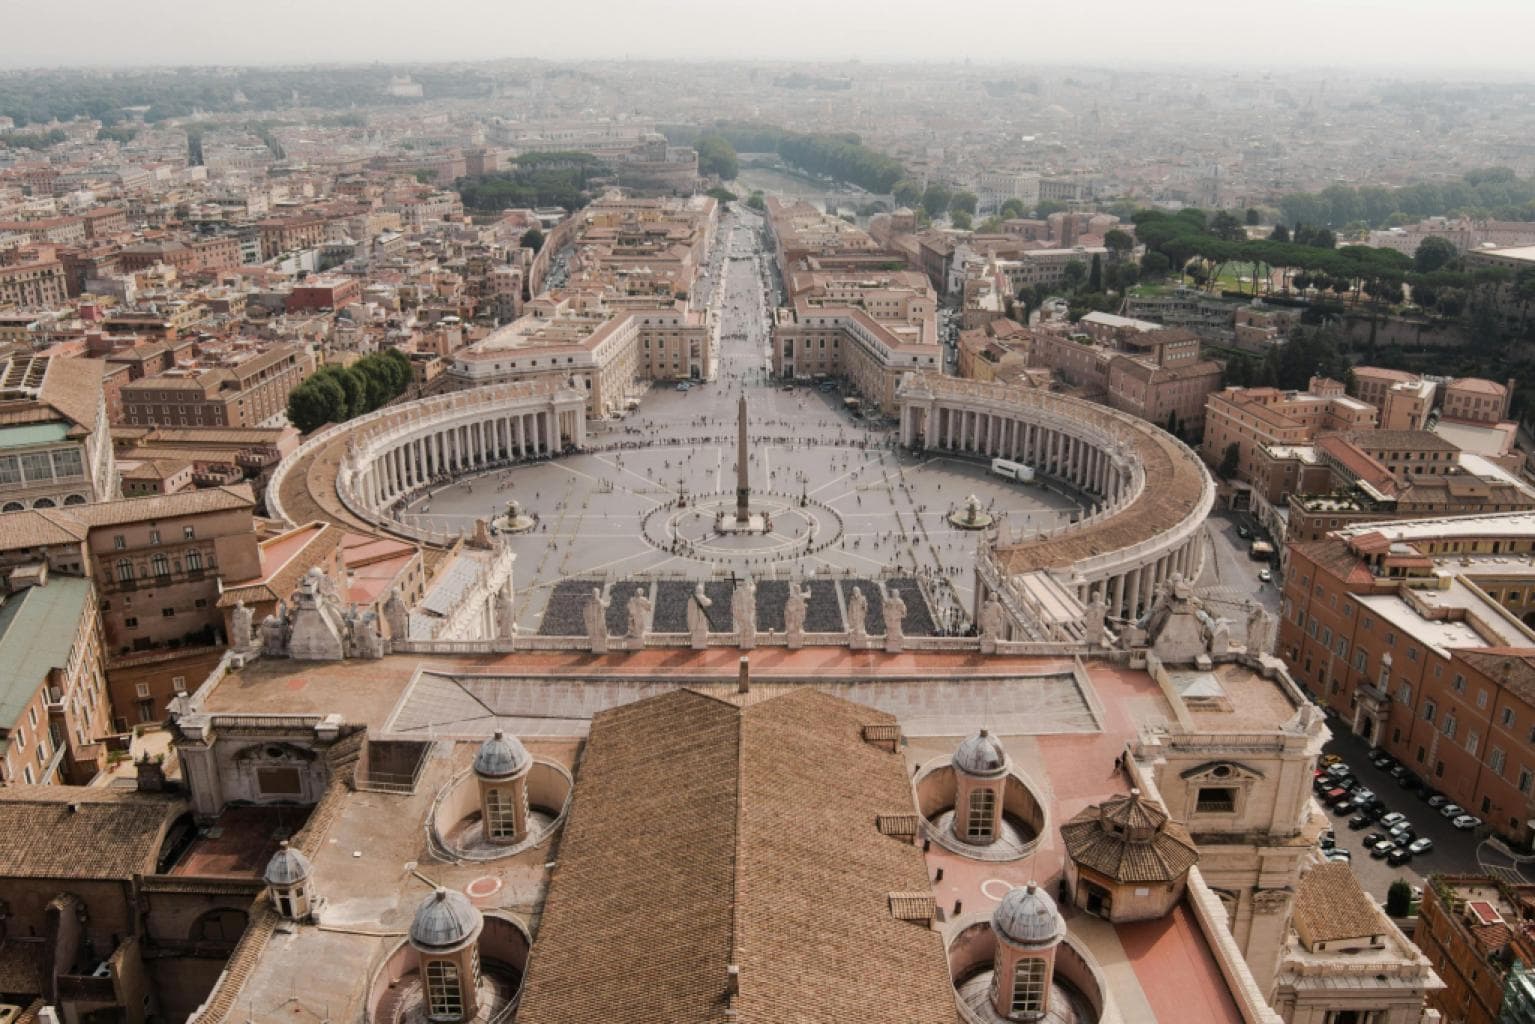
755	523
893	645
988	645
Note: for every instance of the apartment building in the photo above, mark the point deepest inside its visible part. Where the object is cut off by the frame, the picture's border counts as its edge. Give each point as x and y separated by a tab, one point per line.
55	444
33	281
1475	930
1474	400
1404	399
53	690
1250	418
238	386
1411	631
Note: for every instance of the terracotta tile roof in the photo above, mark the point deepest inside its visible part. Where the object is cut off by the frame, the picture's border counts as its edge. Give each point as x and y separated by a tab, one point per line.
280	581
165	506
73	387
39	528
1513	667
704	834
1129	839
1330	905
80	833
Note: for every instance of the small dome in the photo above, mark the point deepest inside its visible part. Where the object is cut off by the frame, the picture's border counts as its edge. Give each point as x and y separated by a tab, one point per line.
1027	917
445	920
981	754
501	756
287	866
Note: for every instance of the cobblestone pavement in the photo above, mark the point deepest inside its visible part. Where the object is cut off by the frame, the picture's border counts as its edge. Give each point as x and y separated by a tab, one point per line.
608	511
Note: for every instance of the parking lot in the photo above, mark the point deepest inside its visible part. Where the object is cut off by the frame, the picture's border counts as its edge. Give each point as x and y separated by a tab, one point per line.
1454	851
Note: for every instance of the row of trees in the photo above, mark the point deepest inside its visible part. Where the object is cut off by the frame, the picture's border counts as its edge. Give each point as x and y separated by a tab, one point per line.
842	156
1495	192
334	394
539	179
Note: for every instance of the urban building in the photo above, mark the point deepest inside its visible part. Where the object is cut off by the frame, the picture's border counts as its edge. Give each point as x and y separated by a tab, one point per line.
1404	399
55	444
240	386
1250	418
1474	400
1475	931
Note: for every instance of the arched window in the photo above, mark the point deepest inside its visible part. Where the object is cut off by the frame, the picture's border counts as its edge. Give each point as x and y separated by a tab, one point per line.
444	993
14	506
194	560
500	815
161	565
74	499
1029	986
983	805
124	571
44	503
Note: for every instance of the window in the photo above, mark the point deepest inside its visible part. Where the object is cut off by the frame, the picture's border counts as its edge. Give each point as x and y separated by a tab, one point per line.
1429	710
194	561
1459	684
1496	760
1508	718
1472	740
130	623
1404	693
1216	800
1029	986
119	542
161	565
1481	698
154	536
500	815
1448	727
124	571
444	995
168	613
983	806
1360	654
1525	779
187	533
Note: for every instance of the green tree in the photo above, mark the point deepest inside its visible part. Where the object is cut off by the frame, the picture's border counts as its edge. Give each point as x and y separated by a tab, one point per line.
316	402
1013	208
1434	253
935	199
1075	272
907	193
1048	206
960	219
1399	899
722	195
1118	242
533	239
1230	461
716	156
1155	264
1279	234
1226	227
1254	217
963	201
1095	274
756	202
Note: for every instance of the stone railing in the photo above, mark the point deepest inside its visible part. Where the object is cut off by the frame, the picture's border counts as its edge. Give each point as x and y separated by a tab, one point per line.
1210	912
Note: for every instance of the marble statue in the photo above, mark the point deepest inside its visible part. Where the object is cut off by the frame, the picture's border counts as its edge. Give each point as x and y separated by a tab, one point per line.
1258	629
894	609
367	641
1095	620
274	638
993	620
594	612
397	615
698	617
743	613
240	625
1220	637
858	618
506	616
638	610
794	609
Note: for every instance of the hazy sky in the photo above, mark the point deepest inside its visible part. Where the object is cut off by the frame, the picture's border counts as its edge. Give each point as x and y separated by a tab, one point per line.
1408	36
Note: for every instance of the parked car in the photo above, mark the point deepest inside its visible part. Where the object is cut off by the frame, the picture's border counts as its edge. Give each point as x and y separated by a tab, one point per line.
1334	795
1402	832
1421	845
1451	811
1391	819
1379	757
1382	849
1327	839
1245	533
1264	576
1399	856
1364	797
1400	773
1342	807
1435	800
1371	838
1466	822
1359	821
1338	855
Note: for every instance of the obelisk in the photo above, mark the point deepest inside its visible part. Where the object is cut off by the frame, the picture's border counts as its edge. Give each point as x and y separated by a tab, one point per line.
743	490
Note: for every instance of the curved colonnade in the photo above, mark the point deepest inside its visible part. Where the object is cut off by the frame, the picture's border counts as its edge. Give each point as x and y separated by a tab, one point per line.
1153	494
373	464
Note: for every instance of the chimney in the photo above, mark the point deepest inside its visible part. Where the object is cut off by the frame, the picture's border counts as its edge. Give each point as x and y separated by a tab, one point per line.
743	677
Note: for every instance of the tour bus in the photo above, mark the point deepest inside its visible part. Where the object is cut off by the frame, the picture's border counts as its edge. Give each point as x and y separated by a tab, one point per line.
1260	551
1012	470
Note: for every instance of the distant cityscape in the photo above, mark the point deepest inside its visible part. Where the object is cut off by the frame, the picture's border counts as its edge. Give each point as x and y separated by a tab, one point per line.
727	541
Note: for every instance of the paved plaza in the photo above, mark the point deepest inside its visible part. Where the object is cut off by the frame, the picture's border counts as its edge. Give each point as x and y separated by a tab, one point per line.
841	500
